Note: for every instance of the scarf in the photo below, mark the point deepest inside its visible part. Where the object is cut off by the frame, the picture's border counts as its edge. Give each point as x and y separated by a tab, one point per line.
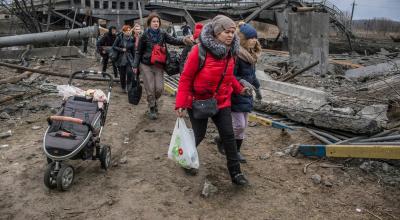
154	35
248	56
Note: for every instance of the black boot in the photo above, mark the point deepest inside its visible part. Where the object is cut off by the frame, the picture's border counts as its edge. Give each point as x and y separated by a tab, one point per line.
240	156
220	146
237	176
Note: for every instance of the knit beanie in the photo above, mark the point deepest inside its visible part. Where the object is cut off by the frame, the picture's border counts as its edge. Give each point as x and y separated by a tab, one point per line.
248	31
197	30
221	23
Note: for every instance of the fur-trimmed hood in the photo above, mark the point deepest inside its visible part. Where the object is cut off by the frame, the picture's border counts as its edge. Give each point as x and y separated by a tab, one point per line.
217	49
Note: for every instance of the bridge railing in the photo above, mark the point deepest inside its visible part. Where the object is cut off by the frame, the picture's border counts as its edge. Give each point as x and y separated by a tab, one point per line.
209	3
332	9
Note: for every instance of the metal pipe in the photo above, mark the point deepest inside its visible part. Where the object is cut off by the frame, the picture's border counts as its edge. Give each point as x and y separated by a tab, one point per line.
324	134
324	140
51	36
349	140
387	138
383	133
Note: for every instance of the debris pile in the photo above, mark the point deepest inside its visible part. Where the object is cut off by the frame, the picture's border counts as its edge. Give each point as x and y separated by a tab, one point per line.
346	99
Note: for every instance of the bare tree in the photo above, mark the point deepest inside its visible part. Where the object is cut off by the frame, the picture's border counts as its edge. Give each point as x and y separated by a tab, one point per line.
25	11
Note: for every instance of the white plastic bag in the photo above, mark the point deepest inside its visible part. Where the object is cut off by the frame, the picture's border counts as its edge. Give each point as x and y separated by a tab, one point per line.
182	147
66	91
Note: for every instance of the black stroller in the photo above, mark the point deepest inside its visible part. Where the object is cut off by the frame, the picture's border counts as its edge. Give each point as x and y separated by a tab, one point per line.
74	133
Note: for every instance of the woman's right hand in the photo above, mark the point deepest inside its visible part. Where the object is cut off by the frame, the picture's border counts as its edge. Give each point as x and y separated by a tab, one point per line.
180	112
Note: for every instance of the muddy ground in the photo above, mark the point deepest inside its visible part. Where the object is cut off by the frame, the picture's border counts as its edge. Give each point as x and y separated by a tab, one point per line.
144	184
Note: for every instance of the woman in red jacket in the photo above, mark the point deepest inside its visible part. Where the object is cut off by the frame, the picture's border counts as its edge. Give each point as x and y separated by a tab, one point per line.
221	45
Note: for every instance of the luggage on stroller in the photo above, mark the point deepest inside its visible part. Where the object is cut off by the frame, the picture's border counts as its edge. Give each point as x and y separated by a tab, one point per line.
74	133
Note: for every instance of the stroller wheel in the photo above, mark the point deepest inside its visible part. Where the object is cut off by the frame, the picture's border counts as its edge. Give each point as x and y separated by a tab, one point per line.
50	176
65	177
105	157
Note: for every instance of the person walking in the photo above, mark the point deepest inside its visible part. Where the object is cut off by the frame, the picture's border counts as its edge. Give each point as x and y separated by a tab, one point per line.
197	30
125	46
213	79
152	45
104	45
245	72
186	30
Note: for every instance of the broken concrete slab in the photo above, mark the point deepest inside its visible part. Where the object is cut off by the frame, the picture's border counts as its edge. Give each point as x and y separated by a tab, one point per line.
374	70
45	52
316	96
319	113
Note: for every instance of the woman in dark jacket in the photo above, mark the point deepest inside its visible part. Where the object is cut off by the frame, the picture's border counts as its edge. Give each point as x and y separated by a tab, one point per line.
153	75
219	40
103	47
245	72
125	45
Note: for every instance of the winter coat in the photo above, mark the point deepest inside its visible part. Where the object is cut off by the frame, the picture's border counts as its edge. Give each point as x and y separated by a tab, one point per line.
246	71
107	40
145	47
201	84
127	57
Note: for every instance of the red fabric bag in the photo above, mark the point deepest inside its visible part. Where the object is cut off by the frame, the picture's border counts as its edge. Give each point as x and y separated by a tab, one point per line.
158	55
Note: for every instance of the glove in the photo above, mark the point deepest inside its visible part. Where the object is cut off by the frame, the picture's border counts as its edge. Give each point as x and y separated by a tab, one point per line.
258	94
247	84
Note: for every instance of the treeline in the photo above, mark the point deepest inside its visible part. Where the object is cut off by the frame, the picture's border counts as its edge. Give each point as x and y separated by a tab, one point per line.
382	25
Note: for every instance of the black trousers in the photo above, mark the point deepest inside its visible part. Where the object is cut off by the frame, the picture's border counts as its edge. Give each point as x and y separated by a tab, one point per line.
125	75
105	63
223	121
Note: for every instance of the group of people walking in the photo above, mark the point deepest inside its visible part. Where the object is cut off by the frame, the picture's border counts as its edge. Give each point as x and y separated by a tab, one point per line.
220	64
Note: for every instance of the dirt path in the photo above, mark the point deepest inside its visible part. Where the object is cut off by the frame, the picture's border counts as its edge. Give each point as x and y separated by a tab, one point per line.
144	184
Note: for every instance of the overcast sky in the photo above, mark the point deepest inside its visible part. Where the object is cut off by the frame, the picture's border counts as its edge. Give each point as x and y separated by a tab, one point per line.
366	9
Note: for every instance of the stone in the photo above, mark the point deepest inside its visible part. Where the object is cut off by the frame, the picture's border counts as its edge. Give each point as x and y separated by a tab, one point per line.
385	167
279	154
123	160
4	146
6	134
316	179
126	140
5	115
208	189
328	183
264	156
36	127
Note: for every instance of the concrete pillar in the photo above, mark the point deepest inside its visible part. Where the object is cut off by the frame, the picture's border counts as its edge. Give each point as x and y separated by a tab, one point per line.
308	40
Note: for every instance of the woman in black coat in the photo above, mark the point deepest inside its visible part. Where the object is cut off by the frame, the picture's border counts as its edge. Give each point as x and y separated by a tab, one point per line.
125	45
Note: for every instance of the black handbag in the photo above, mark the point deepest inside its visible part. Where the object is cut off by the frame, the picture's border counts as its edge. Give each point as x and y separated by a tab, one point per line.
203	109
172	63
135	91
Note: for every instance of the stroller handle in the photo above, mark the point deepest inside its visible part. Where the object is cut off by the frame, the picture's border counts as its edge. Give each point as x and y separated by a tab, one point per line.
85	73
69	119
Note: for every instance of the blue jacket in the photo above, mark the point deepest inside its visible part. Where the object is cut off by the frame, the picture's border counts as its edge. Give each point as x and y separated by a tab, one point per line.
246	71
